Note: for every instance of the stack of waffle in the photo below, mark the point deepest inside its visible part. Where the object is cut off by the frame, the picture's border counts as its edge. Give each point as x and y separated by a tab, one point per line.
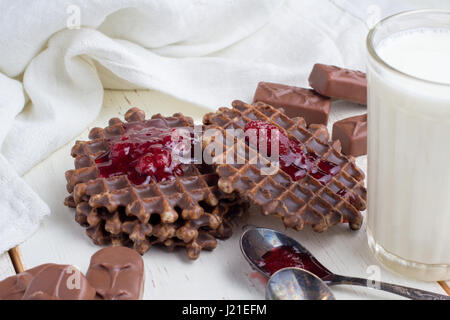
188	211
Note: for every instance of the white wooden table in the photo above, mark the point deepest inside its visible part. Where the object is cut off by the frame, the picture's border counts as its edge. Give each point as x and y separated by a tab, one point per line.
220	274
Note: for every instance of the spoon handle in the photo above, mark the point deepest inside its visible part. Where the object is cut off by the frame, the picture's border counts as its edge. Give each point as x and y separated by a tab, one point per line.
411	293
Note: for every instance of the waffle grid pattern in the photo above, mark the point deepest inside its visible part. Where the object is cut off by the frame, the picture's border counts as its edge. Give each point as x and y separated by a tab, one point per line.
298	203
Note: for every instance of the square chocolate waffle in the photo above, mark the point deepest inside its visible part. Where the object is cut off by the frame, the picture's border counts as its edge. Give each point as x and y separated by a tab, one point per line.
121	208
316	197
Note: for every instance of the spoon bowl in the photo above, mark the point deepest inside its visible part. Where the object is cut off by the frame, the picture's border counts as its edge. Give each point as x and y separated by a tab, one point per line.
297	284
256	242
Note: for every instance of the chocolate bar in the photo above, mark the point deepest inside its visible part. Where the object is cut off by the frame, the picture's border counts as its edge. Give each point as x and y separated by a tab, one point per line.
13	288
335	82
117	273
295	101
59	282
352	132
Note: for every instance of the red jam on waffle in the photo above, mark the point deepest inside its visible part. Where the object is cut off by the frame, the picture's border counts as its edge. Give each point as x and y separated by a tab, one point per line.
294	160
145	153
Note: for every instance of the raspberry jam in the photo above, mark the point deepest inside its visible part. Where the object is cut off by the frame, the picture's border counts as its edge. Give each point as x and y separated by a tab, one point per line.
290	257
145	153
295	160
265	132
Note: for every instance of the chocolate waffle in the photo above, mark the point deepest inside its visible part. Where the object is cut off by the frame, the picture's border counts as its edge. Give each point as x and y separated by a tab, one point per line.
187	210
306	201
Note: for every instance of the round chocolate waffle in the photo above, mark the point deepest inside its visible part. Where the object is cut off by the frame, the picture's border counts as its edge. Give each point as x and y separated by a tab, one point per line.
325	189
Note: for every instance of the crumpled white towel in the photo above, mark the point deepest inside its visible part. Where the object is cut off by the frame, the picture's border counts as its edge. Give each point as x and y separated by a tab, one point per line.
206	52
21	208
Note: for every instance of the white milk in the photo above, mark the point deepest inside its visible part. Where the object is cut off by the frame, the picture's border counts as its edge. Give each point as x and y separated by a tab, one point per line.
409	153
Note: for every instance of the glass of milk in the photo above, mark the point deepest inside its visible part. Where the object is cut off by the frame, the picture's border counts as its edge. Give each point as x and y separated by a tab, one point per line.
408	76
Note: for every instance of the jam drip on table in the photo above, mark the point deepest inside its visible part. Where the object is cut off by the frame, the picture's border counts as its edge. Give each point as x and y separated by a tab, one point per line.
290	257
294	159
145	153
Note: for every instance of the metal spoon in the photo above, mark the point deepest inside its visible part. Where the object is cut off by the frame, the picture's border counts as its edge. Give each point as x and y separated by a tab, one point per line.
297	284
255	242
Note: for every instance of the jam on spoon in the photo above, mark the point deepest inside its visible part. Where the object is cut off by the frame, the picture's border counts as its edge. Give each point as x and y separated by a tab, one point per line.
290	257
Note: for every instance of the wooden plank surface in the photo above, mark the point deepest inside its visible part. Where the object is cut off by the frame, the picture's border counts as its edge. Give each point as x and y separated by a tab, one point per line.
6	266
221	274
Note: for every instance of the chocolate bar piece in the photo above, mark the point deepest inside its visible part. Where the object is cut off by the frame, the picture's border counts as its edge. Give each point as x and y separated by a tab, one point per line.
296	102
335	82
352	132
117	273
13	288
59	282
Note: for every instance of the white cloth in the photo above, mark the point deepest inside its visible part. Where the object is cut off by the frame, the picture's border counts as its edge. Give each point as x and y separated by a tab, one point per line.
206	52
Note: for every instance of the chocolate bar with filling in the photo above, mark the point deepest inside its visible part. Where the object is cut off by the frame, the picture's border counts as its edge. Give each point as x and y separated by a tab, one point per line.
117	273
336	82
13	288
59	282
352	132
295	101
